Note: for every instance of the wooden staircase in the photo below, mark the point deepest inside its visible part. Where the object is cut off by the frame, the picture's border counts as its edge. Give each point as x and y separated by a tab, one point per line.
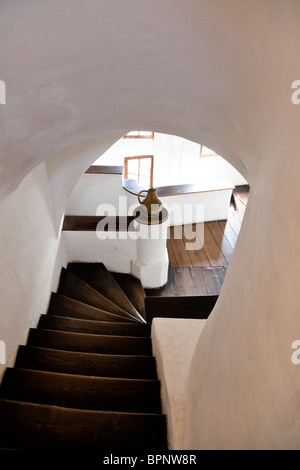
86	379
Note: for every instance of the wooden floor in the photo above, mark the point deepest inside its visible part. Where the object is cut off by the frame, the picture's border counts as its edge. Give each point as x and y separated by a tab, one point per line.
199	254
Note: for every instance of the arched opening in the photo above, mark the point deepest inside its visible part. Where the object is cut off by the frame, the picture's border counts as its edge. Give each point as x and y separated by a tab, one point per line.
199	245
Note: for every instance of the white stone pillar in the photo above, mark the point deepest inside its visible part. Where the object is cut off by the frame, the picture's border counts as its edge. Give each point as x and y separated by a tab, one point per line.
152	262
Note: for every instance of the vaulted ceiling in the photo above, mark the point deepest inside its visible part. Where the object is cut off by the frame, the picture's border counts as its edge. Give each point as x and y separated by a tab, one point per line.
212	71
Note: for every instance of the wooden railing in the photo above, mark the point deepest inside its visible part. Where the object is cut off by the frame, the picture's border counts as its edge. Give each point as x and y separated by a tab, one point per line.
134	188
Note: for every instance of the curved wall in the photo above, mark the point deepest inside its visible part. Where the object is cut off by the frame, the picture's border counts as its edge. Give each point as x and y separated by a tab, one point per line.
212	71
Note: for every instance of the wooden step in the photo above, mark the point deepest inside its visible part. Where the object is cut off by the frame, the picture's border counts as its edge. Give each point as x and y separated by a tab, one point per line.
179	307
98	277
81	391
38	427
72	286
83	342
94	223
133	289
242	192
53	322
72	362
60	305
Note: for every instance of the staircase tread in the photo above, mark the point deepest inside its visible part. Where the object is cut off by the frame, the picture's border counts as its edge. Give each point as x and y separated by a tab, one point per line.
16	370
72	286
89	335
133	289
89	342
81	391
62	323
62	305
88	354
82	363
36	426
82	412
98	277
97	322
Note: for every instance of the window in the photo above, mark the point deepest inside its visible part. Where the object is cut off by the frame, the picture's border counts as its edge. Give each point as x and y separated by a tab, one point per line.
139	168
139	135
206	152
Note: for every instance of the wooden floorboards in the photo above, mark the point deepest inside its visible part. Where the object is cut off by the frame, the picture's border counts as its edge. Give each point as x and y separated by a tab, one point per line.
191	281
199	254
204	245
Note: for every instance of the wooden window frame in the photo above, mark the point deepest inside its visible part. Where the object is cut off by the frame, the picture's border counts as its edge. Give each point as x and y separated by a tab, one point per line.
139	135
139	157
212	154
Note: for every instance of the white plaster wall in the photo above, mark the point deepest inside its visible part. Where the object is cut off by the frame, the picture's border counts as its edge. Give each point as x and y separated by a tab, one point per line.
61	260
250	334
116	252
216	169
222	75
173	344
28	249
93	193
65	167
126	148
126	252
198	207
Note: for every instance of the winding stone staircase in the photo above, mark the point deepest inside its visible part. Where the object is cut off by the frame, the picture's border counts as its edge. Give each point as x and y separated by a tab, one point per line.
86	379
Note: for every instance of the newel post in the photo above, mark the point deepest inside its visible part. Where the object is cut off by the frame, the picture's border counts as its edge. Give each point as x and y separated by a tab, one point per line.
152	261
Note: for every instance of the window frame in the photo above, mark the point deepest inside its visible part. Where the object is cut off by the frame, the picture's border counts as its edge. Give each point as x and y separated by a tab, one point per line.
139	157
139	135
211	154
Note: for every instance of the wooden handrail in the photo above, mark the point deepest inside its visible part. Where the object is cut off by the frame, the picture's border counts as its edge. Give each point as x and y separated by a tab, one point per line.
105	170
131	186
